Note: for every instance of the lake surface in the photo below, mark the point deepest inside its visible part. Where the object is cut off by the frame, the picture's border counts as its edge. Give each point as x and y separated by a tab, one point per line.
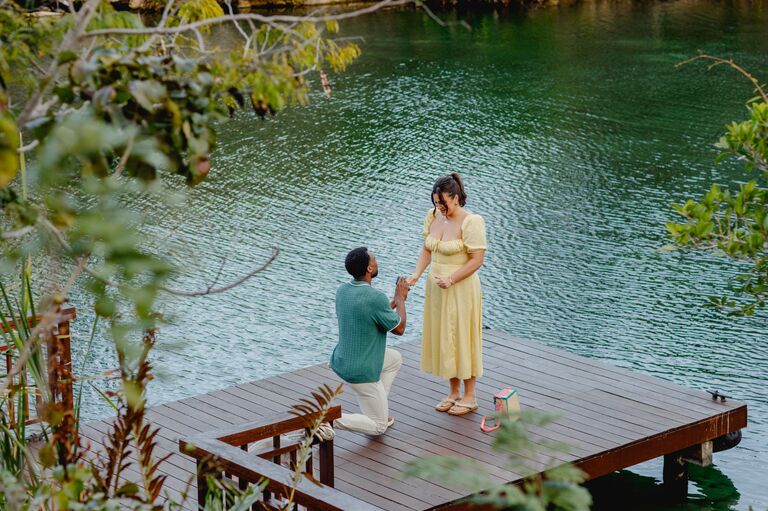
574	133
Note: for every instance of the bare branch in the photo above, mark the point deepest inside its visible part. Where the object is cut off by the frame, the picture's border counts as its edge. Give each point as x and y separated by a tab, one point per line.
266	38
76	273
276	21
18	233
47	80
28	147
124	157
728	62
440	21
218	274
200	41
212	290
237	25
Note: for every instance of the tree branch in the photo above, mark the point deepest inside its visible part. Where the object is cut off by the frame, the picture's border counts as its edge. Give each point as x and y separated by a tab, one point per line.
274	21
124	157
28	147
728	62
18	233
214	290
47	81
210	290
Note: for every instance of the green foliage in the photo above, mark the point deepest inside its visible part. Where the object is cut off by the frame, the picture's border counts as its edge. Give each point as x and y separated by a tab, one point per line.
9	157
735	222
26	42
56	473
196	10
115	113
549	485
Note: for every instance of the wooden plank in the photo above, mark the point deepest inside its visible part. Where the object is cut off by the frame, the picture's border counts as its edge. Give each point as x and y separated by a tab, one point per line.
641	380
447	437
568	370
342	469
611	418
683	404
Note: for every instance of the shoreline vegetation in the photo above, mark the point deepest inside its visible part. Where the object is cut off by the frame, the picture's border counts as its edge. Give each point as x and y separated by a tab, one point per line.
56	7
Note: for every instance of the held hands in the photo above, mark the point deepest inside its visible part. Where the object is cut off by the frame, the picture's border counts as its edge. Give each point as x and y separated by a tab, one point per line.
412	280
402	288
401	292
444	282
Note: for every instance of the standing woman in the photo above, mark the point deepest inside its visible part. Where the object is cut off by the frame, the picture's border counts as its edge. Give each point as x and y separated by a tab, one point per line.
454	249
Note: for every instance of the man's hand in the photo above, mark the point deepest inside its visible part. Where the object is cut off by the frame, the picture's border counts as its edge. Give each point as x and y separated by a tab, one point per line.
398	303
401	290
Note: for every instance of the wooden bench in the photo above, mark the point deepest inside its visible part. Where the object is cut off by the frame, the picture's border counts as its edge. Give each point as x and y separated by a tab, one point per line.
228	449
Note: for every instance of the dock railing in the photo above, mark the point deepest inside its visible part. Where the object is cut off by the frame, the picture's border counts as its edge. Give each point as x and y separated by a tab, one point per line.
228	450
59	373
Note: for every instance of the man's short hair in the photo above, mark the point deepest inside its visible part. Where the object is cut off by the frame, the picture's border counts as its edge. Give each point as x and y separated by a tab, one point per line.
357	262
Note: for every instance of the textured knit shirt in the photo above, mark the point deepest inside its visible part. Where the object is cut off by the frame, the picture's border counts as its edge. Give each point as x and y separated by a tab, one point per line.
364	319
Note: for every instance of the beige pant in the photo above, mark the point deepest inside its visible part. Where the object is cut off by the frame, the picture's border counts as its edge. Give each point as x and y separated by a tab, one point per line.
372	398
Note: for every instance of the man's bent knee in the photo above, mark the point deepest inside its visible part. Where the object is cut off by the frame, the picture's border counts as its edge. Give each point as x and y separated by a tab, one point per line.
381	428
394	358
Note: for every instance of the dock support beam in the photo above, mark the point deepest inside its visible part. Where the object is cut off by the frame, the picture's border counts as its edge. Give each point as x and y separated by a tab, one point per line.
676	476
676	468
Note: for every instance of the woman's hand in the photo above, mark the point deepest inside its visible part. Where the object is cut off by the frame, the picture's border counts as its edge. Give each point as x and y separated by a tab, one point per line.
444	282
412	280
401	289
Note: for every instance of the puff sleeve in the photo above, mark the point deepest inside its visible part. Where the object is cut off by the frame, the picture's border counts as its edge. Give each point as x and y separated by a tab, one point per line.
473	234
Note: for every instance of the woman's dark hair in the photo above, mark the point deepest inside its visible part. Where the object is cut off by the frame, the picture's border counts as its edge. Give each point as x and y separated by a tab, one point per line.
452	185
357	262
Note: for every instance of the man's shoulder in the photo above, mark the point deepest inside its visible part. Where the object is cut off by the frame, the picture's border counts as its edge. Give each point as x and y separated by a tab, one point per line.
365	293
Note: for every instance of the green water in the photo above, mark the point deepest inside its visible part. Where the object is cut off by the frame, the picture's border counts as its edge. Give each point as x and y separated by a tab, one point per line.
574	132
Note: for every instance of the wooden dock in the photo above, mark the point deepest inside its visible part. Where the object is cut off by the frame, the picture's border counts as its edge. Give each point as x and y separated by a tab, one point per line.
610	418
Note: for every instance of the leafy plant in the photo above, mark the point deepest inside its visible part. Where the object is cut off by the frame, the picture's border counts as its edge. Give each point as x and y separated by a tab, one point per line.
735	222
114	111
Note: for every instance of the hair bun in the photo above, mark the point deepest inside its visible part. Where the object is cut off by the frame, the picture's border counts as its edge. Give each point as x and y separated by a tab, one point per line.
451	184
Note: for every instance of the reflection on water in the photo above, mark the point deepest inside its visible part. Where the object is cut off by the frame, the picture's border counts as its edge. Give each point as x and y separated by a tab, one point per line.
574	132
709	489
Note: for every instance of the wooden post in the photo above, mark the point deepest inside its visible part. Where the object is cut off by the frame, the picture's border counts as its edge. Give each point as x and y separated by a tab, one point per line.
676	476
64	338
700	454
242	483
326	462
267	495
202	486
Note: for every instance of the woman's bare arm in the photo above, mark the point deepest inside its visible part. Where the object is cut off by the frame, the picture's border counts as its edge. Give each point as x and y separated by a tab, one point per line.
425	257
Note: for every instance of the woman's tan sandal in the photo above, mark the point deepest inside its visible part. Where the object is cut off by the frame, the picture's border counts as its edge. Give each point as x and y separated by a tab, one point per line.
461	409
445	405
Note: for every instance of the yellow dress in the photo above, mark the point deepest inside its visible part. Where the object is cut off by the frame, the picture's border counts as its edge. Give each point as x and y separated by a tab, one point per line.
452	342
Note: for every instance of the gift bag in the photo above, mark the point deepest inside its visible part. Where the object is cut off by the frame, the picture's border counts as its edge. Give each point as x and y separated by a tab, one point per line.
507	405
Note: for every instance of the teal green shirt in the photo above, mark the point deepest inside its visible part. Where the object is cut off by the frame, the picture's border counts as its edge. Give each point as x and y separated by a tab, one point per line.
364	319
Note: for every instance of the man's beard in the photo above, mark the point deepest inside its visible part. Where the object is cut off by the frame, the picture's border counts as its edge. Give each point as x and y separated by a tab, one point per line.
375	274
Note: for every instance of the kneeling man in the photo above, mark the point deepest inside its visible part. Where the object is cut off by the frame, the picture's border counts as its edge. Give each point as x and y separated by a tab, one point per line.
361	358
